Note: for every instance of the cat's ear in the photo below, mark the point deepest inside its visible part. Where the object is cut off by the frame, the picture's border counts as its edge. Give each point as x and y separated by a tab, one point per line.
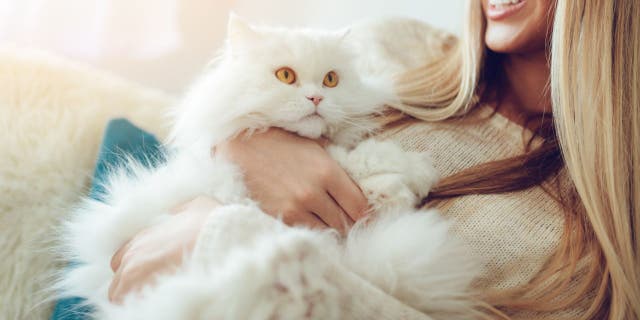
240	32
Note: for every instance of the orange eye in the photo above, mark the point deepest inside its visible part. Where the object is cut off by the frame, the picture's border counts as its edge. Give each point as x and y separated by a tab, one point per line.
331	79
286	75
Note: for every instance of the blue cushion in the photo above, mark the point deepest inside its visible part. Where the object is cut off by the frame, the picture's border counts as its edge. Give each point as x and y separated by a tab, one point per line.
122	139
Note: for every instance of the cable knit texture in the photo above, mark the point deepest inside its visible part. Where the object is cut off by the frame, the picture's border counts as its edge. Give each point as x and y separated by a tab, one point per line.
514	233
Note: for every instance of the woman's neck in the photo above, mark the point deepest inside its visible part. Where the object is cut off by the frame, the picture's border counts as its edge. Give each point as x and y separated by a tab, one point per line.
525	92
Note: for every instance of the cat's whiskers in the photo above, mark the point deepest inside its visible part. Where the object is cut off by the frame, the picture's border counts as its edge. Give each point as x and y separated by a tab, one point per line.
357	121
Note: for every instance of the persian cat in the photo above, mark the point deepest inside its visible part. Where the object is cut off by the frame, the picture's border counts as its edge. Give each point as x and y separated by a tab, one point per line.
254	267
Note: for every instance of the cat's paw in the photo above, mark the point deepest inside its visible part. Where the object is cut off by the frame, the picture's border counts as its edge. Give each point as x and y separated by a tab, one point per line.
420	174
386	191
372	157
287	278
388	175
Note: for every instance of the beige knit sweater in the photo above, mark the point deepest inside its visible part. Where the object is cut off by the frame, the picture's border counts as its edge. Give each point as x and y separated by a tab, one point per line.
518	229
512	234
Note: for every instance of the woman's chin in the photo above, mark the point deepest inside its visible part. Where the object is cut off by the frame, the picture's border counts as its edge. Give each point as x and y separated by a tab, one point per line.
503	39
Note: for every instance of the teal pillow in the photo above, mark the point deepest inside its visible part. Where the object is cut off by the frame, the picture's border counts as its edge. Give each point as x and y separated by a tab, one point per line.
121	140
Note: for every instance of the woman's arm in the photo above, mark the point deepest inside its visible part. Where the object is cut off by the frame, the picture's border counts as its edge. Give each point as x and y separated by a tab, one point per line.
297	178
160	248
285	173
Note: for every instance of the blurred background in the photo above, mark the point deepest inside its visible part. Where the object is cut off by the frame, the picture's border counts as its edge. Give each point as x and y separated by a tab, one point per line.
165	43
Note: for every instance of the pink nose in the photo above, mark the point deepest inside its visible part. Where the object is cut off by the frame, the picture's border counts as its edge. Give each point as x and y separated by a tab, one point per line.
315	99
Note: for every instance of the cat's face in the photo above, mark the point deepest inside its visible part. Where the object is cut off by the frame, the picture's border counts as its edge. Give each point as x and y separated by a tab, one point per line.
301	80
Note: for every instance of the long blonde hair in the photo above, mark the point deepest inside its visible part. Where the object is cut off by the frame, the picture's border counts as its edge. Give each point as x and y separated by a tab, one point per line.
595	86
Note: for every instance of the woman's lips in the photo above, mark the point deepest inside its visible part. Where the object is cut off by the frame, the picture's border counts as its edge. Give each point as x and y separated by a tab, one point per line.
501	9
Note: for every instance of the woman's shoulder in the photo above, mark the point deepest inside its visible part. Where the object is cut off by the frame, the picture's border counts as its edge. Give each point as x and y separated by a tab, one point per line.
457	144
398	44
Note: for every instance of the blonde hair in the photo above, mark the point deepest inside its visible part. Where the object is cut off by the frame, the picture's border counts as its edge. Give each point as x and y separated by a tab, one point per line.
596	113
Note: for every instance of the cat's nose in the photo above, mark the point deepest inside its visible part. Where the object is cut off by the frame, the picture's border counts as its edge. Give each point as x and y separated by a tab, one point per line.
315	99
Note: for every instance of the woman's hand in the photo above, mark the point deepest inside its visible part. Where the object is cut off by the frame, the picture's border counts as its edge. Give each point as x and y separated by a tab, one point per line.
159	248
296	177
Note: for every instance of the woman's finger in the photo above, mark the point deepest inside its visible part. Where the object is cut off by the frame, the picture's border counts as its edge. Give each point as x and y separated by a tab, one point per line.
202	203
116	259
331	213
348	195
133	278
308	219
313	220
114	285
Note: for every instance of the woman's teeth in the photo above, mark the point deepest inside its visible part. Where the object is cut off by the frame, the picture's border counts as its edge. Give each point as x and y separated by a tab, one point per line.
501	9
503	3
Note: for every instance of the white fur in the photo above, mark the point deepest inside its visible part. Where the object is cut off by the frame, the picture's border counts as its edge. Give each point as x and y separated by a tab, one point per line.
412	256
389	176
241	92
263	269
137	198
52	116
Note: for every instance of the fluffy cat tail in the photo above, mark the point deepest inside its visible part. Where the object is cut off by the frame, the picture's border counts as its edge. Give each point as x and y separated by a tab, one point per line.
413	257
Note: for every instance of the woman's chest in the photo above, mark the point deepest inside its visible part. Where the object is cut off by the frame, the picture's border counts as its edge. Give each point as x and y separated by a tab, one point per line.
513	233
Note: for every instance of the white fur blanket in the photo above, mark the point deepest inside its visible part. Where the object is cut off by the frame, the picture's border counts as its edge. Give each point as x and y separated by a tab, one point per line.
52	114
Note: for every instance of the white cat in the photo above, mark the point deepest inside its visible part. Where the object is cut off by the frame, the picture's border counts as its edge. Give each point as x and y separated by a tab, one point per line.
255	267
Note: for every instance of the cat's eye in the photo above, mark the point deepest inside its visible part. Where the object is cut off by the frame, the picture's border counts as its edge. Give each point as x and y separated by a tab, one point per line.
286	75
331	79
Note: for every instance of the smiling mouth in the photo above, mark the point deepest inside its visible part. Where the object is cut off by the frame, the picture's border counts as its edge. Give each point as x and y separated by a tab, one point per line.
500	9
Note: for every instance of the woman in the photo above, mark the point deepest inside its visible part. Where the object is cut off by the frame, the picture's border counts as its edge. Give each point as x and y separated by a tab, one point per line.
533	119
